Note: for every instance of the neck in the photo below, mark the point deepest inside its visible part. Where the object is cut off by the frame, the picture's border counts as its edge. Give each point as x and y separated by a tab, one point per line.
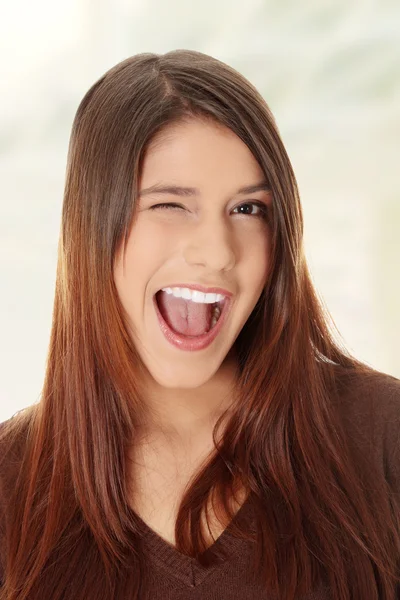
185	415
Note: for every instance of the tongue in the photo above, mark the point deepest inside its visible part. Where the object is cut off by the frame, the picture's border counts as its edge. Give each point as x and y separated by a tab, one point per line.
184	316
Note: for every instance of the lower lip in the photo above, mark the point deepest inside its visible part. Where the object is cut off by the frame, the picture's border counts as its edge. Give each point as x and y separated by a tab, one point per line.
192	343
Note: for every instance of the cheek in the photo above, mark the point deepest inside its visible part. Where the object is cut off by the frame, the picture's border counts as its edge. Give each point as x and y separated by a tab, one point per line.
152	240
255	283
146	249
257	258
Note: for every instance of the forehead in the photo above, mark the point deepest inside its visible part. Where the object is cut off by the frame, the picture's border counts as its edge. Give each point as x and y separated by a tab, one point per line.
198	150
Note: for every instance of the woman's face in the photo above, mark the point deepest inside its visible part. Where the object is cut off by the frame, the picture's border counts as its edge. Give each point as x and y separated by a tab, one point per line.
208	240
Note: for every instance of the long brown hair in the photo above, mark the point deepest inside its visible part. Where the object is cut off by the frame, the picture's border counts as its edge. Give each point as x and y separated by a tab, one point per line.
284	440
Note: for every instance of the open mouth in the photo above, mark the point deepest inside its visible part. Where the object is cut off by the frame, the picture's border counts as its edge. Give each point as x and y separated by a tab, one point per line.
187	317
193	332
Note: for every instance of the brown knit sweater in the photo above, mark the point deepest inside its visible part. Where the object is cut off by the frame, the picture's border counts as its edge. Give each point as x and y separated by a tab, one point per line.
372	420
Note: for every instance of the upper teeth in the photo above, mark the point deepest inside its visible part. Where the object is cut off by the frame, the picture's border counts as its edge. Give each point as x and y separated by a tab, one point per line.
194	295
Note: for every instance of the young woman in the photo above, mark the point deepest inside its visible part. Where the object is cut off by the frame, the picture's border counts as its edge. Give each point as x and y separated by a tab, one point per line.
200	433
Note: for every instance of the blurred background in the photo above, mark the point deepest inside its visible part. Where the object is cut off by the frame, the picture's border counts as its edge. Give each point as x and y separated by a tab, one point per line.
330	72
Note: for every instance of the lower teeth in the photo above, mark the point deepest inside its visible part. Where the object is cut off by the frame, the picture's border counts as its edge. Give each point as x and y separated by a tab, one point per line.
215	317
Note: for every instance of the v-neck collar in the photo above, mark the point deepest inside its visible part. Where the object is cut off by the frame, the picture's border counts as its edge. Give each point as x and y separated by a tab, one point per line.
183	567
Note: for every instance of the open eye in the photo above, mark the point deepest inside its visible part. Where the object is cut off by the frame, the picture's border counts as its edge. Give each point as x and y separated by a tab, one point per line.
262	213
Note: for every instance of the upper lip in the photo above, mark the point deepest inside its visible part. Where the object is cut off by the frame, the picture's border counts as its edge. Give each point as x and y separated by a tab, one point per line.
201	288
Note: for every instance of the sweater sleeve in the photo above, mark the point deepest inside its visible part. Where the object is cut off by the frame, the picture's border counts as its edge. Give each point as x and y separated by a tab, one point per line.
391	451
4	461
391	439
2	527
2	541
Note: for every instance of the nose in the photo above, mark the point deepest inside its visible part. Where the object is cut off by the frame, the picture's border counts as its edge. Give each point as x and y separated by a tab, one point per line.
211	243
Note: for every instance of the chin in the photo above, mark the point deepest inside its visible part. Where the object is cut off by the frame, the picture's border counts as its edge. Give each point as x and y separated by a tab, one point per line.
185	378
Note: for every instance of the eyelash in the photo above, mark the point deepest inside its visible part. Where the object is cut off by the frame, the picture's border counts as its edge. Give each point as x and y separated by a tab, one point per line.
262	215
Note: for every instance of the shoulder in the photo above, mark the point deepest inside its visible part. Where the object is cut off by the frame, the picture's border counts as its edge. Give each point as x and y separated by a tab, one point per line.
12	444
371	398
11	440
13	436
369	405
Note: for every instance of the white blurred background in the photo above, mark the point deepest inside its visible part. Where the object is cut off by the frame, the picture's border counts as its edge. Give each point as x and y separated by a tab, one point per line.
330	72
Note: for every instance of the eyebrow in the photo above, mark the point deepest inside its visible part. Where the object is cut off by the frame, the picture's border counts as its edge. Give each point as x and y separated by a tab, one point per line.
177	190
